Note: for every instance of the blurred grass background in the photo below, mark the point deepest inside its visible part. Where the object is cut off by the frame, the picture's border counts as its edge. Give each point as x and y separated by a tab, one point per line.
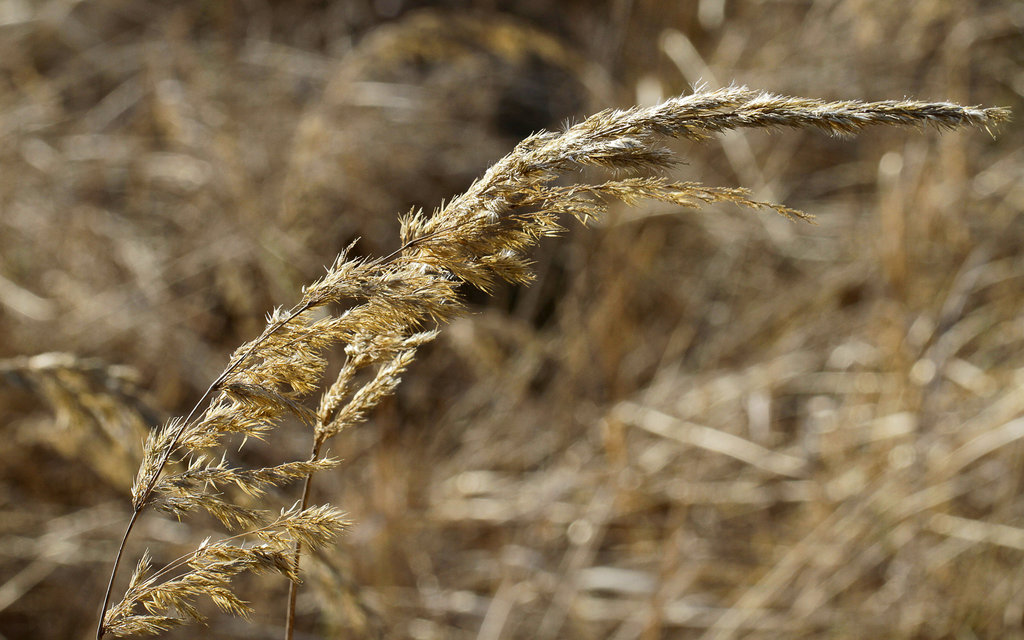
711	424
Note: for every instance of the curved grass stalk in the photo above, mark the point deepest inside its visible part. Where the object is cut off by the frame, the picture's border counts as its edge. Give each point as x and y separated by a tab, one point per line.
479	238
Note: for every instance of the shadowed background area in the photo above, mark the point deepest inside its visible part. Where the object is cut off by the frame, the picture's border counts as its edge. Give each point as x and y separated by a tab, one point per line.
694	424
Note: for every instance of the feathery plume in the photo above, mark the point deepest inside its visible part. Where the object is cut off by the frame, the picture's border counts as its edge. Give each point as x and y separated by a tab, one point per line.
393	304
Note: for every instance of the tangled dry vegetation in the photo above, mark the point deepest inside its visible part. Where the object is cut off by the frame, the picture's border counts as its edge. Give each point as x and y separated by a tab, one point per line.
715	424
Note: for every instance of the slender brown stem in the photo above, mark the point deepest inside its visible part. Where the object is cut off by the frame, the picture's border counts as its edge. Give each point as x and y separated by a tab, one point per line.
293	588
100	631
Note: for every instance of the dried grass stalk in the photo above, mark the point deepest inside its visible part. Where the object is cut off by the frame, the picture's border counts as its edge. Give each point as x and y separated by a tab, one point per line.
481	237
100	415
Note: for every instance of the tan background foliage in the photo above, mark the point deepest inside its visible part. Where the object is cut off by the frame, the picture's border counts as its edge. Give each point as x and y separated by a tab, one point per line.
707	424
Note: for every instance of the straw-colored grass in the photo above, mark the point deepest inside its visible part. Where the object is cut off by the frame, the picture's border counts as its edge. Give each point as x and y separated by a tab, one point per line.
687	424
479	238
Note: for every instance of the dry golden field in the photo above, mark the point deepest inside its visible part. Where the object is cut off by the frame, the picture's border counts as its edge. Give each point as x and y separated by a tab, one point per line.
706	423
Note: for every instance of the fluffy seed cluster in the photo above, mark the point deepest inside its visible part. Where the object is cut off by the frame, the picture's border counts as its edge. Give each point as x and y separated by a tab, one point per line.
392	305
